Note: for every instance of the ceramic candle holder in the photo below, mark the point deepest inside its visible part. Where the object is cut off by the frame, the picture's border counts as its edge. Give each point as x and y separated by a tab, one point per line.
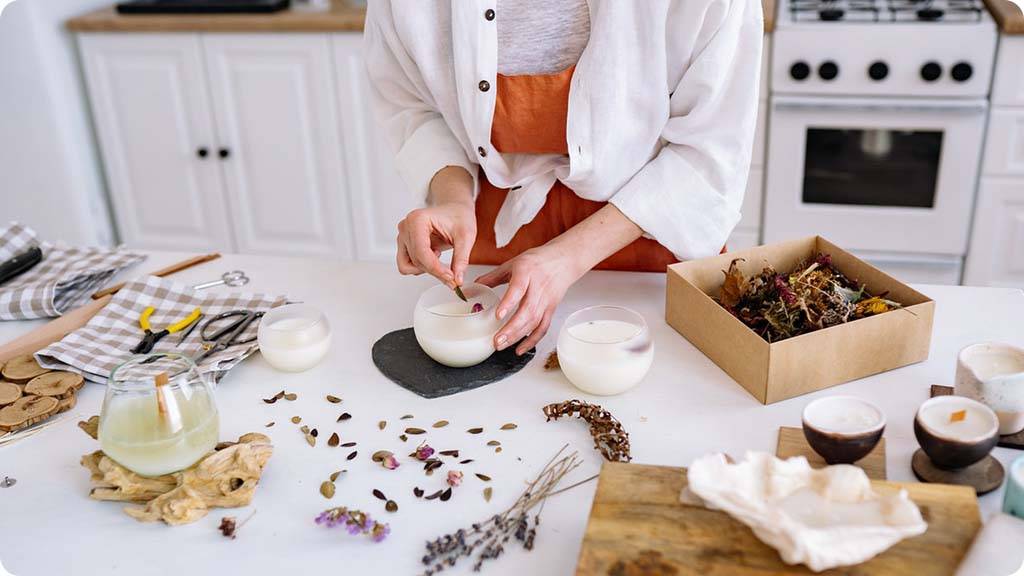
993	374
842	429
955	432
294	337
605	350
448	329
1013	500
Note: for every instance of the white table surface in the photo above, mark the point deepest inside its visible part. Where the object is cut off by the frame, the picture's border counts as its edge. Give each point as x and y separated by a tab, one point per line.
685	408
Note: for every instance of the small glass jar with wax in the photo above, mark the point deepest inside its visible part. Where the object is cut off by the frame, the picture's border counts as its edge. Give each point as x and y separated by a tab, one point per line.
454	332
605	350
159	415
294	337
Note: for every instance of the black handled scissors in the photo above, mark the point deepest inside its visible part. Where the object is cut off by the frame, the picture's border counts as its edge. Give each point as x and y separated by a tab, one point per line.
218	335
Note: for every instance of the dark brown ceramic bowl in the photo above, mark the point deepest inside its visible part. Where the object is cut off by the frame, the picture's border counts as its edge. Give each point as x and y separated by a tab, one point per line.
949	452
841	442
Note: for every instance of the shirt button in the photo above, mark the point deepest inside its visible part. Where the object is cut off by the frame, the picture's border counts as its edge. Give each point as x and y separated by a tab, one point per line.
484	85
489	14
480	150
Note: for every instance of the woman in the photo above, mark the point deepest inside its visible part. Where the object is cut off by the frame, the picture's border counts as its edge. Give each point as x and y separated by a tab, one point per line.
551	138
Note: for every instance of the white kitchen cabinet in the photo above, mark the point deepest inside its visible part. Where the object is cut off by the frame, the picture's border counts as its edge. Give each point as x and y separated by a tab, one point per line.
996	256
275	107
379	197
1008	85
1004	144
150	106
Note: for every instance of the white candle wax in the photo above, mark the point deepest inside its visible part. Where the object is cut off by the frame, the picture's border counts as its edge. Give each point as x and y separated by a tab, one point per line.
294	338
604	357
997	363
843	415
943	419
453	335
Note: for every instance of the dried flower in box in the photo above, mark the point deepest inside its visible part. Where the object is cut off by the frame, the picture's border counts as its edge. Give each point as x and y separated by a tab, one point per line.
813	296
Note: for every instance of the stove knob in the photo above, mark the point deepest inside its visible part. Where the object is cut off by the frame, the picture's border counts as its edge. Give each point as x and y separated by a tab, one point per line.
800	70
962	72
828	70
878	70
931	71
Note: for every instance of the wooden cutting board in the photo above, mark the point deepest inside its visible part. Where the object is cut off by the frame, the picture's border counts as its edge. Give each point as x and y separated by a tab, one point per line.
638	527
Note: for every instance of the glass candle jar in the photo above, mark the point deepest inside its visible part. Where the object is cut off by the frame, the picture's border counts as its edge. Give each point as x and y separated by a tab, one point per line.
605	350
449	330
294	337
1013	500
159	415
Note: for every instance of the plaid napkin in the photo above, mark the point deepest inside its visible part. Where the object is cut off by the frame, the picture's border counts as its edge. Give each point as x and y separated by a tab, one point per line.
64	279
105	342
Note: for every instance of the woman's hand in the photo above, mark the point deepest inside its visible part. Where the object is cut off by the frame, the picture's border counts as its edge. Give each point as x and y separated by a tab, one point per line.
537	281
449	223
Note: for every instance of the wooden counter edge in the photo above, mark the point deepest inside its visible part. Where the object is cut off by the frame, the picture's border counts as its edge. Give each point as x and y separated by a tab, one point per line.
1007	15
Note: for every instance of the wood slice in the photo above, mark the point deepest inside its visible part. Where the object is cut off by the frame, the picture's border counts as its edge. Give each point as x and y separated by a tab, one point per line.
26	411
67	403
9	392
984	476
56	384
21	369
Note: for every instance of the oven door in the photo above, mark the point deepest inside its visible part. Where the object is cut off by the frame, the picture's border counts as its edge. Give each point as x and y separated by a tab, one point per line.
894	175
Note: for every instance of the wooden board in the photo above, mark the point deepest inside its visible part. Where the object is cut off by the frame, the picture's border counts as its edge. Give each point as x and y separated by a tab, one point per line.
638	526
1015	441
793	443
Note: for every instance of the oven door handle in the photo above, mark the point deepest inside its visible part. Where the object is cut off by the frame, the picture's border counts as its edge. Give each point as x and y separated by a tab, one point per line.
858	105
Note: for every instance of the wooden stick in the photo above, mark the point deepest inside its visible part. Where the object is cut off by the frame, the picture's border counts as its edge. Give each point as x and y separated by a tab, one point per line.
52	331
184	264
161	405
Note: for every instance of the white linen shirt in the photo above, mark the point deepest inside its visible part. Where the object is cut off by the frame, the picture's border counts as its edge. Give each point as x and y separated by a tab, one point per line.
661	121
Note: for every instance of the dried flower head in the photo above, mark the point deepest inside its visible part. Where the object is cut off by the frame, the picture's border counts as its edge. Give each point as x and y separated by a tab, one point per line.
424	452
477	307
454	478
355	522
390	462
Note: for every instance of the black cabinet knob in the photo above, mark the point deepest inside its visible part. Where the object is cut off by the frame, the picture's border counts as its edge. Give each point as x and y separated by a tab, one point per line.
931	71
828	70
203	152
962	72
800	71
878	71
224	153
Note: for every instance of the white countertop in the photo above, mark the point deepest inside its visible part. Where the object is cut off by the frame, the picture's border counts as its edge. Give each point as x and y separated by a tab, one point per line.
685	408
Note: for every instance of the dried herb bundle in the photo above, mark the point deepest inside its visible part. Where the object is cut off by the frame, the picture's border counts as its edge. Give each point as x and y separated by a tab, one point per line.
610	438
813	296
486	540
355	522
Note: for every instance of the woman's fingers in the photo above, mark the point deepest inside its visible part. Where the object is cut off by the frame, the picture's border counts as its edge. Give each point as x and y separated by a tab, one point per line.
422	253
461	248
405	264
523	322
517	288
495	277
537	333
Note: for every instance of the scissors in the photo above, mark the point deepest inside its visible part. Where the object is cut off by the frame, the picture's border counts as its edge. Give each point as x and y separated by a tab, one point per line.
218	335
233	278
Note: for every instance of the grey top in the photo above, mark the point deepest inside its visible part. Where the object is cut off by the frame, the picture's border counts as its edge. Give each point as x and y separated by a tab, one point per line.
541	36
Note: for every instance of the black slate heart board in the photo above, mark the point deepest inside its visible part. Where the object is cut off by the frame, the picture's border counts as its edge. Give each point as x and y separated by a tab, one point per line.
399	357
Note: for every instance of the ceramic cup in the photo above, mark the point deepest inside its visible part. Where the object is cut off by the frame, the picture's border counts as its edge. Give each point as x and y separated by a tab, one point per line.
993	374
842	429
1013	500
953	442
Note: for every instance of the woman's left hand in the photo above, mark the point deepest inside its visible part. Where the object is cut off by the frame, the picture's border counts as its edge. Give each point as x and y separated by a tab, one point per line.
537	281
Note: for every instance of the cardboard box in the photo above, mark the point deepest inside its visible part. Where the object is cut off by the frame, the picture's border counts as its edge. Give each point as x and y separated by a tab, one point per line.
805	363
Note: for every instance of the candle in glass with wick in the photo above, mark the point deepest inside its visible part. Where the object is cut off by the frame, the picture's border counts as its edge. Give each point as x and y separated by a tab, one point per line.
457	332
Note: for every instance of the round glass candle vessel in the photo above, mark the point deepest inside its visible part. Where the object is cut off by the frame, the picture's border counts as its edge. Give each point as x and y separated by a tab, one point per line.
449	331
159	415
605	350
294	337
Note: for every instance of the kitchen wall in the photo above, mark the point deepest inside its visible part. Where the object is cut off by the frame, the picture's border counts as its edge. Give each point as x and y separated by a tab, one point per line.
50	177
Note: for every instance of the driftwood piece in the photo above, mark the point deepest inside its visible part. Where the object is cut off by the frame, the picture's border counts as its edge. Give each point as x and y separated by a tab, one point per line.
225	478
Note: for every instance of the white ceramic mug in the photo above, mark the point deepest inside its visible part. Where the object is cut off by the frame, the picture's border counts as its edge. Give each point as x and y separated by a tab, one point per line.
993	374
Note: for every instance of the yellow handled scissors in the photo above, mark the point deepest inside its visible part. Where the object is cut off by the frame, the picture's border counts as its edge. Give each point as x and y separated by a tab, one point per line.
145	346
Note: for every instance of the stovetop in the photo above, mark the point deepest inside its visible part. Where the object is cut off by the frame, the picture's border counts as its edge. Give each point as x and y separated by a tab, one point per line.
923	11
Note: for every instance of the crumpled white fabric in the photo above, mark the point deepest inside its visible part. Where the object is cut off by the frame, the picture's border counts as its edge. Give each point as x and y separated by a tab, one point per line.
821	518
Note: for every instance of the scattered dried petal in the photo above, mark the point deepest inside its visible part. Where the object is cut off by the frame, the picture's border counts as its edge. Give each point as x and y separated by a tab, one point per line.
509	426
487	494
417	492
390	462
483	477
423	452
454	477
311	440
446	495
344	416
552	362
291	397
379	495
406	417
494	443
435	495
466	461
334	440
333	399
440	424
477	307
497	450
382	424
403	437
327	489
314	433
304	429
452	453
274	398
334	475
348	444
352	455
391	506
268	425
475	430
415	431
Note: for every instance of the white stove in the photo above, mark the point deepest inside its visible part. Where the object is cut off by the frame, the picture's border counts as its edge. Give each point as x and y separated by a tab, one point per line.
878	113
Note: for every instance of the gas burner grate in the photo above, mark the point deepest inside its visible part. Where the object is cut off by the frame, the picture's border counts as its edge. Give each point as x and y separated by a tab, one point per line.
886	10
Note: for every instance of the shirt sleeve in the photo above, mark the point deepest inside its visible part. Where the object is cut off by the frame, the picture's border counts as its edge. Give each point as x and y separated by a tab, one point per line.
688	196
418	133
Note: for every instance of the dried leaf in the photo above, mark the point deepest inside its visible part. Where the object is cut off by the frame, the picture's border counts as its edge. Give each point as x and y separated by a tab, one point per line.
497	450
333	399
440	424
403	437
291	397
509	426
344	416
268	424
274	398
483	477
91	426
417	492
334	440
391	506
446	495
487	494
475	430
348	444
382	424
380	455
435	495
311	440
494	443
379	495
314	433
415	431
452	453
466	461
406	417
327	489
352	455
334	476
552	362
304	429
734	286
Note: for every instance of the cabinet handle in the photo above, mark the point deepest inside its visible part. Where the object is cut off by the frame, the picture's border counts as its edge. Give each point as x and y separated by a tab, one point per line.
203	152
224	153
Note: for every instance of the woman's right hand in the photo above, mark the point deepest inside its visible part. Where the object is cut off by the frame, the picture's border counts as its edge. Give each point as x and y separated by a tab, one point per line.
449	223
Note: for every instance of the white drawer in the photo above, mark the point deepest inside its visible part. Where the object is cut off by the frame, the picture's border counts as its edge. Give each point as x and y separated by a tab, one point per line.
1004	146
752	199
996	257
1008	85
761	133
743	238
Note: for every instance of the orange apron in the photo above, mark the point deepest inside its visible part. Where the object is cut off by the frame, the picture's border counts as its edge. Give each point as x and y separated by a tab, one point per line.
530	118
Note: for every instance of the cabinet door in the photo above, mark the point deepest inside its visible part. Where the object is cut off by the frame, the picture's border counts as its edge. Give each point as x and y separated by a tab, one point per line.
1008	85
379	196
1004	144
149	102
274	105
996	256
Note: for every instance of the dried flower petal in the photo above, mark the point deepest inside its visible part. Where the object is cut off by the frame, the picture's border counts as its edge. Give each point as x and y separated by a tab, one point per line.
333	399
483	477
391	506
477	307
269	424
446	495
406	417
334	440
487	494
552	362
423	452
348	444
452	453
494	443
958	416
403	437
344	416
227	526
291	397
352	455
327	489
509	426
415	431
382	424
311	440
475	430
390	462
379	495
454	477
417	492
355	522
440	424
334	475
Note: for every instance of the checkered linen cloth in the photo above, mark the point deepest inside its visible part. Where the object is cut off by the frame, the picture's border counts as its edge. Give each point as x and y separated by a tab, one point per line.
64	279
106	341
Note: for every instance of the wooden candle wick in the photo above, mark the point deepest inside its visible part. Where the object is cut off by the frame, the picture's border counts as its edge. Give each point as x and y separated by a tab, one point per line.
161	406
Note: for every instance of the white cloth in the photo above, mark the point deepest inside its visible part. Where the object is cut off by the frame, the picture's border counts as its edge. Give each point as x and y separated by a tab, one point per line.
541	37
661	119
